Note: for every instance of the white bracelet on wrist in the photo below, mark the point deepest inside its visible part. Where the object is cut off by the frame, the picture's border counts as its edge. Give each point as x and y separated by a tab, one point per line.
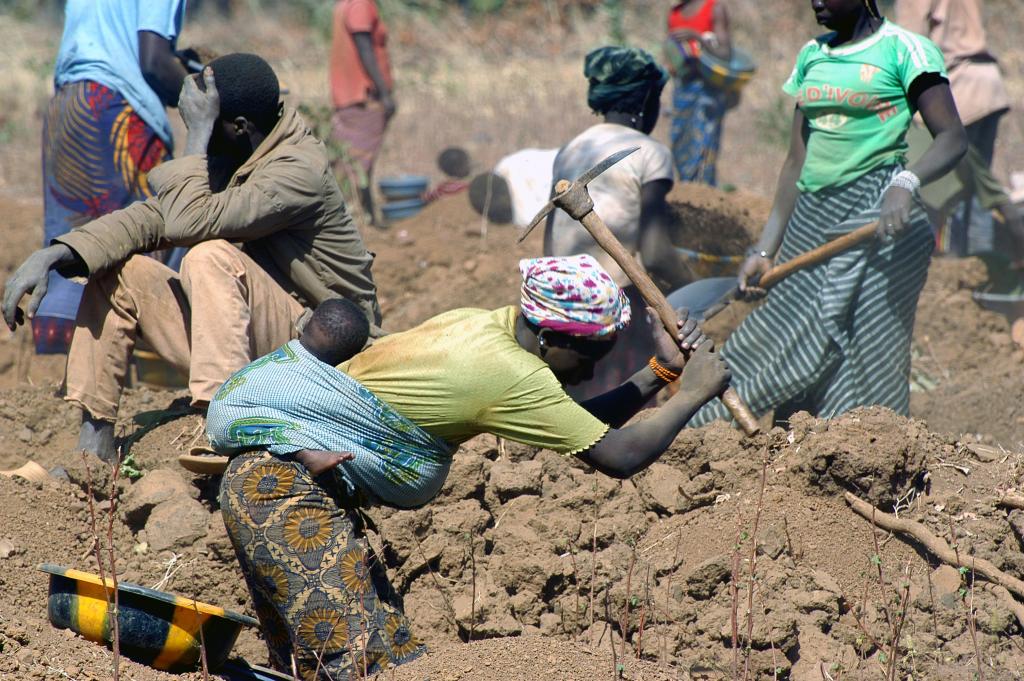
906	179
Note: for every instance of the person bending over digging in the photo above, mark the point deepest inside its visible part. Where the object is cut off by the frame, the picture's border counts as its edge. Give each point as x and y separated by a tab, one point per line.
383	430
255	198
837	335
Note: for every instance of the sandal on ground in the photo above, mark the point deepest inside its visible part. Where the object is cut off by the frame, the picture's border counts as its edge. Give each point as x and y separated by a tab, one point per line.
203	460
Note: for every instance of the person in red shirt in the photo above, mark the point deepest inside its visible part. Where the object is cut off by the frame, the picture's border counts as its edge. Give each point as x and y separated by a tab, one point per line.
698	107
361	88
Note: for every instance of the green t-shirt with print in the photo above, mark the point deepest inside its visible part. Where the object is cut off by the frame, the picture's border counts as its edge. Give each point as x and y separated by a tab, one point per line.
856	103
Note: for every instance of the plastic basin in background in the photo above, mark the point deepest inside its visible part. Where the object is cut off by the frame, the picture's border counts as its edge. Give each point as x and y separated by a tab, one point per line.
402	187
731	75
704	265
157	628
399	210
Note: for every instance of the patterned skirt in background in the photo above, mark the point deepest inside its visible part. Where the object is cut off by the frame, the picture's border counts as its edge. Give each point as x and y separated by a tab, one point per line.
317	587
97	153
835	336
696	129
361	128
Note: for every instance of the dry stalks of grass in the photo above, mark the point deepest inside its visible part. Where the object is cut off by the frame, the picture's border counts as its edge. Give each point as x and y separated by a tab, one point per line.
106	558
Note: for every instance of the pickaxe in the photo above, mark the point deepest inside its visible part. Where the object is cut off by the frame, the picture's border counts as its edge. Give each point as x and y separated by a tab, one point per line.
574	199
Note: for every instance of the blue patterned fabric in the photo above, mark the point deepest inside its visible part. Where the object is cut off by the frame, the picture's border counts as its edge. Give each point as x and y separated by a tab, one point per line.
697	129
289	400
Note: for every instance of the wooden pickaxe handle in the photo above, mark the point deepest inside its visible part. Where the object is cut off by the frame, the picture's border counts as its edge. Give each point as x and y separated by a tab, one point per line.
656	299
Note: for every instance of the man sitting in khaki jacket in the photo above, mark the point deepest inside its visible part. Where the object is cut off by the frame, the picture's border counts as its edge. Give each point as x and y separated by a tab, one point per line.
255	198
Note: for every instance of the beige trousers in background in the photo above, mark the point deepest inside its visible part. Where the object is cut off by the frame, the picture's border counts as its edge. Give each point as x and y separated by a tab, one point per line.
218	315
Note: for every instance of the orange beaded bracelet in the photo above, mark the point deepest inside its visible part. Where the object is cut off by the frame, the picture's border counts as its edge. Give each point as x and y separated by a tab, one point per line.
663	373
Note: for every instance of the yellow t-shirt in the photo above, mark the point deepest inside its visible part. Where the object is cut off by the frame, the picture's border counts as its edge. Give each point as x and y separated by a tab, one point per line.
462	373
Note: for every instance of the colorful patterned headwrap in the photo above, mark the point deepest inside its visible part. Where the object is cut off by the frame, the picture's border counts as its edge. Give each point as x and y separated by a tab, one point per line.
572	295
621	79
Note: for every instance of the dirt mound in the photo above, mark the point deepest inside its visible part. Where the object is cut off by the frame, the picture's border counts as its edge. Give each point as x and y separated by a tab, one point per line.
446	257
564	551
526	659
541	562
713	222
529	544
862	454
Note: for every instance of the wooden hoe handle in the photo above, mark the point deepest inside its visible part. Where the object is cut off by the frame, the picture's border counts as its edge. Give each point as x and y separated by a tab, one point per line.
811	257
654	297
817	255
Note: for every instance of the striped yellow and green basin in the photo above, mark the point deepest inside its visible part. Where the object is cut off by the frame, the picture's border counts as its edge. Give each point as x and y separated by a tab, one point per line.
157	628
707	265
731	75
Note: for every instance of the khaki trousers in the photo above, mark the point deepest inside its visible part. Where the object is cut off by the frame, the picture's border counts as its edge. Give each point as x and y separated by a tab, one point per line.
218	315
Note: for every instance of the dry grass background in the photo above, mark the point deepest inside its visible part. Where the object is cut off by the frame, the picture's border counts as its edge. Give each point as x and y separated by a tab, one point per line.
492	84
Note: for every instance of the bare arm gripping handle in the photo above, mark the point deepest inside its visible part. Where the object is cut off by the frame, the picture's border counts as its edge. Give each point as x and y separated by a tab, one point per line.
654	297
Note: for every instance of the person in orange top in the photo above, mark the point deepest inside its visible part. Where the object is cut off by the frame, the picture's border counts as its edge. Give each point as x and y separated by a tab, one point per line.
361	87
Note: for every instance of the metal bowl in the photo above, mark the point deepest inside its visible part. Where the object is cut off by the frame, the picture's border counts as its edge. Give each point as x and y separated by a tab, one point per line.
156	628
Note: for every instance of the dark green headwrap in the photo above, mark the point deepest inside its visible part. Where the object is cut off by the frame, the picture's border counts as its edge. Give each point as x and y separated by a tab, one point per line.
621	78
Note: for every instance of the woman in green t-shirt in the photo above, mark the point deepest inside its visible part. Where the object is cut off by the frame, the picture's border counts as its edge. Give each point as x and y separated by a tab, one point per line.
837	336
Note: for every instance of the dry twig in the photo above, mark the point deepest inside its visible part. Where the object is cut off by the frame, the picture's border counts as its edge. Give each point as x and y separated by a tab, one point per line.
935	545
611	636
472	605
668	594
112	602
593	576
629	590
734	594
202	642
752	576
643	614
576	582
973	629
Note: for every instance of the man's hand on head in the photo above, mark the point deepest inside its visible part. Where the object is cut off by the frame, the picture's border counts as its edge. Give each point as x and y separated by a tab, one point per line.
200	109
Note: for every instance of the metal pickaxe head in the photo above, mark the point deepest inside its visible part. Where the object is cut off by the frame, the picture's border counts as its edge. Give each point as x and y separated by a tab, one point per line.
573	197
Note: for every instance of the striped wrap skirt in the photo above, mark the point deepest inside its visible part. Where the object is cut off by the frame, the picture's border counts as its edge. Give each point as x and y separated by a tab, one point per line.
837	335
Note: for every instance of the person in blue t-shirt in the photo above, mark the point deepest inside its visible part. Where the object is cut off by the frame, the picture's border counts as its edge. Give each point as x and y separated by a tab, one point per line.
105	127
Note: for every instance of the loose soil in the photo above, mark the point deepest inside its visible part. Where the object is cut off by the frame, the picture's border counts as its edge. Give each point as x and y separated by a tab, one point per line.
714	222
564	561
